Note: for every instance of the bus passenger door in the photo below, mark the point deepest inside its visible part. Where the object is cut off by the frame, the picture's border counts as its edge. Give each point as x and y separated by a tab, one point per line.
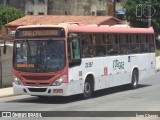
75	69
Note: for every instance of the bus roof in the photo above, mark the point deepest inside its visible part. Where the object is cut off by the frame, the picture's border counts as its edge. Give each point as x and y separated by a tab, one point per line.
39	26
101	29
112	29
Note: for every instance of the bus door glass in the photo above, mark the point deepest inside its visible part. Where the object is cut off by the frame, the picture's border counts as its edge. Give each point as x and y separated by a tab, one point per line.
74	51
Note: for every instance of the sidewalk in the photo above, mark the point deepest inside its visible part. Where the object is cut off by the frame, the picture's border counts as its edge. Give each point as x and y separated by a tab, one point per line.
158	63
6	92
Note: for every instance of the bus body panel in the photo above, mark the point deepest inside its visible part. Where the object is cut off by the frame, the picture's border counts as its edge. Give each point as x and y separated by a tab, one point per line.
107	71
112	77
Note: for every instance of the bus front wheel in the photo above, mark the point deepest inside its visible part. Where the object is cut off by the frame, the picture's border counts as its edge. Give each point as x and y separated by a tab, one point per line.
134	82
87	92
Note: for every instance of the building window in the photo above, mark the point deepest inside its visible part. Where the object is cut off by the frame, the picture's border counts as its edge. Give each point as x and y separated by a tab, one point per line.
41	1
93	13
30	13
31	1
101	13
7	2
40	13
66	12
66	1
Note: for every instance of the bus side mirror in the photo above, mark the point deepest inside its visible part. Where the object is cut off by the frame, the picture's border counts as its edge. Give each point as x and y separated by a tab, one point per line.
4	48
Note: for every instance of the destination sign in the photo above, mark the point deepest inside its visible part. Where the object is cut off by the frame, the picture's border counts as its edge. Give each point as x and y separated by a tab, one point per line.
39	32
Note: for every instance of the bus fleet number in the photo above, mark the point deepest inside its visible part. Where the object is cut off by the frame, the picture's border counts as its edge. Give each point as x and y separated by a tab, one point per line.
89	64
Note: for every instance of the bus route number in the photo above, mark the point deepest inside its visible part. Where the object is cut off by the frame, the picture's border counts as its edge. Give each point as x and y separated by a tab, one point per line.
89	64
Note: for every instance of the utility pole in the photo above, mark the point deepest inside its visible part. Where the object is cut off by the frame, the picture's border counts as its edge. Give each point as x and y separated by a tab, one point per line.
114	7
149	13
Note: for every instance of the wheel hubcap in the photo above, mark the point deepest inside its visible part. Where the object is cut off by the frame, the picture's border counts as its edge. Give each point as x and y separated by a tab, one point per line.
87	88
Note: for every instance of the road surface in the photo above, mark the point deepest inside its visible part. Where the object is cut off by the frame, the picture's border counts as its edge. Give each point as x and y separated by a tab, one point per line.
145	98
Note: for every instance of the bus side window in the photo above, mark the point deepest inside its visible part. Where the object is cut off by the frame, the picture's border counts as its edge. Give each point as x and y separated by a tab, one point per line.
144	44
151	43
87	45
134	44
112	46
100	46
123	44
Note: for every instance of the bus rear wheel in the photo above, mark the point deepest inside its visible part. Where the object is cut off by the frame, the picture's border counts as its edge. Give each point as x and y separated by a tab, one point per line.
134	82
87	92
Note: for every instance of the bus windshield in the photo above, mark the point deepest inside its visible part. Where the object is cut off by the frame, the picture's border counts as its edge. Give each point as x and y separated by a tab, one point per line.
39	55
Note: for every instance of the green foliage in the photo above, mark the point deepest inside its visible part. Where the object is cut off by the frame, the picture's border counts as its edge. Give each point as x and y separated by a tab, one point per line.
8	14
157	52
137	13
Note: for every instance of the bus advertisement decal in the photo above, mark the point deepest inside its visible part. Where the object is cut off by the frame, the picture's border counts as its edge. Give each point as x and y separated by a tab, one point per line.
118	64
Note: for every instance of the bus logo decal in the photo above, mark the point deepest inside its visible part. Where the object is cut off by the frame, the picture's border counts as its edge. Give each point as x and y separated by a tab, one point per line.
118	64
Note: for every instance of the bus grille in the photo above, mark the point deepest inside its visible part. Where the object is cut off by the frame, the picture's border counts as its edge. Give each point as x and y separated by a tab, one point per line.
37	89
37	84
37	77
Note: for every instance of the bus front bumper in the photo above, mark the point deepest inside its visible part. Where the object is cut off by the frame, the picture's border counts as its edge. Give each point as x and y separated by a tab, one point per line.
61	90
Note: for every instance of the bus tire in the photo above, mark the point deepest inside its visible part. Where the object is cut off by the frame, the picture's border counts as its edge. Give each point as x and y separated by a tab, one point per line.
134	82
87	92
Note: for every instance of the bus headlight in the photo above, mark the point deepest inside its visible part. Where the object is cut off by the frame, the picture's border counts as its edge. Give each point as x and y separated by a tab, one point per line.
17	80
60	80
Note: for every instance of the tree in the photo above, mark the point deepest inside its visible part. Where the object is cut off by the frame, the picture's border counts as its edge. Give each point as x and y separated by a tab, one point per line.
137	13
8	14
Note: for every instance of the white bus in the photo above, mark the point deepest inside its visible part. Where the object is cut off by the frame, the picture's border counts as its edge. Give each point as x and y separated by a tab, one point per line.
57	60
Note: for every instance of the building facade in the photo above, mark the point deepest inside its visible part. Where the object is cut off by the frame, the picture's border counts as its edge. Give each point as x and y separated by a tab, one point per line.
36	7
20	4
78	7
65	7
